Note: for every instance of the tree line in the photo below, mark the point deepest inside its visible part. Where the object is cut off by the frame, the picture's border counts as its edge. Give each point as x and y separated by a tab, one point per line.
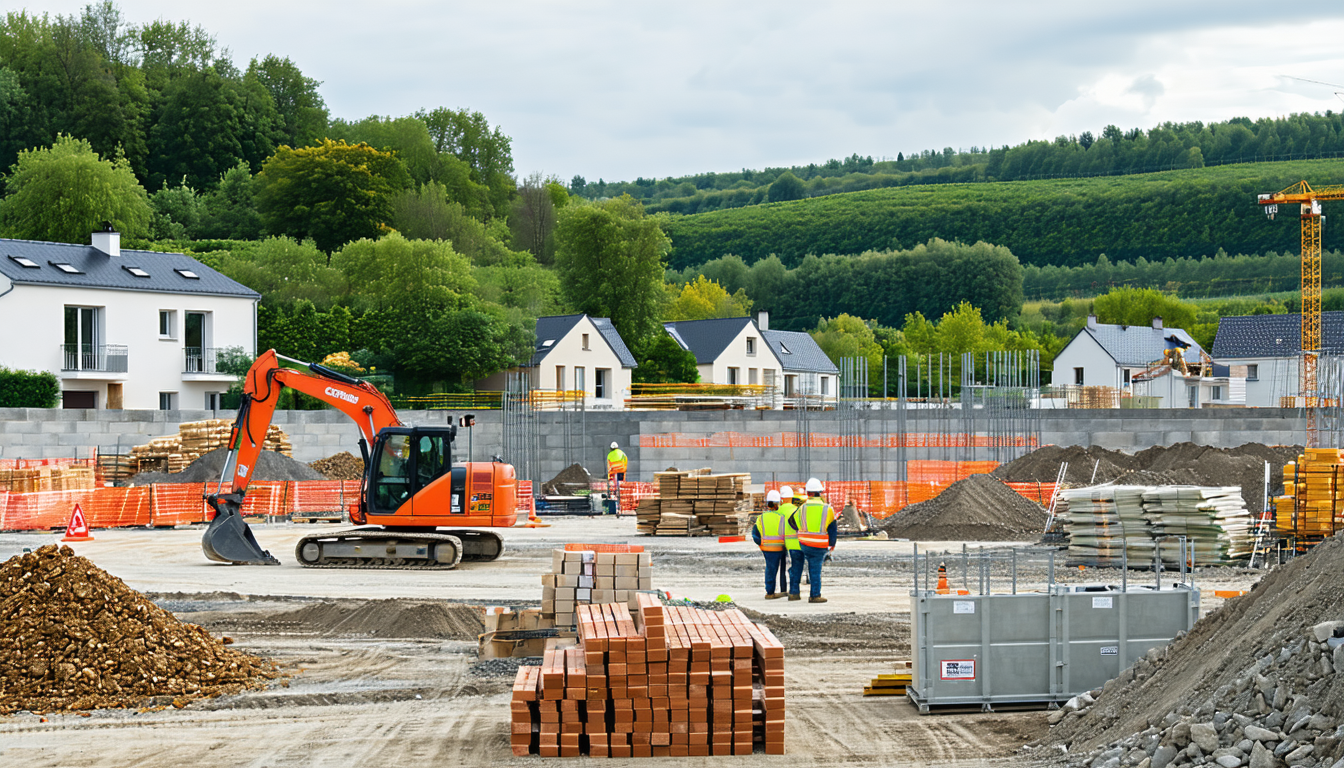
1188	277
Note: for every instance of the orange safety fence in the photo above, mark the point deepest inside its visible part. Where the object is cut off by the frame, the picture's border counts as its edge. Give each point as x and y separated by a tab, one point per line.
1041	493
37	463
265	498
947	472
323	496
177	504
633	492
526	501
46	510
825	440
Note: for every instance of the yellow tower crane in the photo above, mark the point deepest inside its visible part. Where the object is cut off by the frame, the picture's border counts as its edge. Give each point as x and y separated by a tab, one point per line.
1310	200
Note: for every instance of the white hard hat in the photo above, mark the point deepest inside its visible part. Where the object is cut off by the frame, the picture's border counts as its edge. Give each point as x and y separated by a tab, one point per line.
613	446
772	496
813	485
786	492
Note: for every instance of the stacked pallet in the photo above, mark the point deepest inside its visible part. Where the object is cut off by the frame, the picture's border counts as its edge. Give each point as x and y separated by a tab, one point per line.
174	453
116	467
1106	524
39	479
696	504
580	578
1214	522
679	682
1312	503
894	684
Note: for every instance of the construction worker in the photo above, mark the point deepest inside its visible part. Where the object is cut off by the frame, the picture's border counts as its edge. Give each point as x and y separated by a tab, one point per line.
768	533
791	546
616	466
813	525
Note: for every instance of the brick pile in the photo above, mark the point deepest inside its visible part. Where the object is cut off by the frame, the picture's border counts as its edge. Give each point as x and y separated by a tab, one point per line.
583	577
696	504
667	681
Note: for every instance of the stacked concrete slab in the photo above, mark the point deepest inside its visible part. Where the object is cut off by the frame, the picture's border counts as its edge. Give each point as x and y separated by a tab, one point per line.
585	577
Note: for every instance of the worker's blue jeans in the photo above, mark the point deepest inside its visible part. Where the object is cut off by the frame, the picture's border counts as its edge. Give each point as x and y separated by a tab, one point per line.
813	557
774	571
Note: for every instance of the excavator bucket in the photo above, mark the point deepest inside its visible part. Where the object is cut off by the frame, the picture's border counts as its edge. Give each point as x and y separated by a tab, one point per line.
229	539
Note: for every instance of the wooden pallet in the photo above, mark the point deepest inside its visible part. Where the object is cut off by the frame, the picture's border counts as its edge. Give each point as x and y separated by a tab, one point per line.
894	684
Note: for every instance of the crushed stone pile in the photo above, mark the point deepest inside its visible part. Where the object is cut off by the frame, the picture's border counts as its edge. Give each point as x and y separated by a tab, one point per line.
1179	464
396	617
343	466
978	508
270	466
1258	682
569	482
73	637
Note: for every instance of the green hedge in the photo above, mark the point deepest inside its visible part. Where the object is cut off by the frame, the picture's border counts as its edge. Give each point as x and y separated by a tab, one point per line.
28	389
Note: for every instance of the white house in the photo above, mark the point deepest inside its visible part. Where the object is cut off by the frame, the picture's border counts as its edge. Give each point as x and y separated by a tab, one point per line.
1266	349
1104	355
807	369
121	328
728	350
578	353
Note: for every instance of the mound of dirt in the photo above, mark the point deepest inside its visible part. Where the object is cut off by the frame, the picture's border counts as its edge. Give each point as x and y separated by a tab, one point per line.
978	508
400	618
570	480
1260	680
343	466
1042	465
73	637
270	466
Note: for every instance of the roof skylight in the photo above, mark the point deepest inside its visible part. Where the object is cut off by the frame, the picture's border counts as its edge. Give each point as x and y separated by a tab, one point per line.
138	272
68	269
187	273
25	263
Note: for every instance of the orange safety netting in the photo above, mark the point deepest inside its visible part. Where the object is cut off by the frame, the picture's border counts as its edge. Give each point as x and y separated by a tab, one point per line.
177	504
1041	493
36	463
46	510
946	472
633	492
323	496
526	501
265	498
824	440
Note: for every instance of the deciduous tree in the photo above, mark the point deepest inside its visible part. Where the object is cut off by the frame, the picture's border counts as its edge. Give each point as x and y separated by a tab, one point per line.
65	191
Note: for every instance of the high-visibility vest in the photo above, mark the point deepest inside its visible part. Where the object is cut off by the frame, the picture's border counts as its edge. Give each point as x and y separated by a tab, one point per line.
790	533
616	462
770	525
814	518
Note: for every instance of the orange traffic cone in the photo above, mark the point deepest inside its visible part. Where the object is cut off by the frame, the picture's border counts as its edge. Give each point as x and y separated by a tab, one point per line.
77	529
942	589
533	521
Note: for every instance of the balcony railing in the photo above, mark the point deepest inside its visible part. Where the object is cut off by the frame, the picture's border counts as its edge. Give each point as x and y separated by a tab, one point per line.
200	360
102	358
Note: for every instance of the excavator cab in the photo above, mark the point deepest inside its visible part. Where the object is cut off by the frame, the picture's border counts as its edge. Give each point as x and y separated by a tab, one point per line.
404	462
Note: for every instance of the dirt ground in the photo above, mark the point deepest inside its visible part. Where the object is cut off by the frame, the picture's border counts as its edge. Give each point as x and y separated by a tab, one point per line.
354	699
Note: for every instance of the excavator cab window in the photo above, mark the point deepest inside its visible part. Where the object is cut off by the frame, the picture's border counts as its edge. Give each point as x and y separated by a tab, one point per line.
431	458
392	474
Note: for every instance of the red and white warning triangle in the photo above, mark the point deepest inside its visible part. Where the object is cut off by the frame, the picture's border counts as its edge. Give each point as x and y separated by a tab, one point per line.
78	528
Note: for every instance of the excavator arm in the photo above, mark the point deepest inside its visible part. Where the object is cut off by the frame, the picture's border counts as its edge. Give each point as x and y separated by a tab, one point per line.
228	539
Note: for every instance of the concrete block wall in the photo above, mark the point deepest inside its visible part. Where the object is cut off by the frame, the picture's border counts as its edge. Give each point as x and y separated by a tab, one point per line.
41	433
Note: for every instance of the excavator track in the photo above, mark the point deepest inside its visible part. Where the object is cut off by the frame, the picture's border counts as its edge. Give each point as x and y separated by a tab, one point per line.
378	548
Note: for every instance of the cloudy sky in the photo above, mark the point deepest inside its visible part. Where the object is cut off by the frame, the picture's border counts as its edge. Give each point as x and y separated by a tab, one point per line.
624	89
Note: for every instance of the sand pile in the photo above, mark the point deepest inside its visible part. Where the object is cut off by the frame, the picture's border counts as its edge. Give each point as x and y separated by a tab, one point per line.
343	466
569	482
1259	682
978	508
73	637
388	618
270	466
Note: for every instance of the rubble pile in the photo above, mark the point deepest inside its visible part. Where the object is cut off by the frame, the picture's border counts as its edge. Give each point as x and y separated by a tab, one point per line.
73	637
343	466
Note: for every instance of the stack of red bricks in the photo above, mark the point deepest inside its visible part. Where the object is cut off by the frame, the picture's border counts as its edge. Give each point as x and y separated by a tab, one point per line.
669	681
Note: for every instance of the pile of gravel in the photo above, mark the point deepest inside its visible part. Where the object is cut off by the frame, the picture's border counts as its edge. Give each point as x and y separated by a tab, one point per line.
270	466
978	508
343	466
1259	683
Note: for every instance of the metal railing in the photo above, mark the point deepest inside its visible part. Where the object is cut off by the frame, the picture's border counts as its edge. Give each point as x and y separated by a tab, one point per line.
105	358
200	360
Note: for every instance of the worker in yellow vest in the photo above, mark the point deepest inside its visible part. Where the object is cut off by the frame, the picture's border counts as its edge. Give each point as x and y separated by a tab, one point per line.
813	525
616	466
791	546
768	533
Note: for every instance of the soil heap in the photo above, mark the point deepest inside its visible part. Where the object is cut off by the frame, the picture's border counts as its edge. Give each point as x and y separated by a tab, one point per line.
270	466
388	618
342	466
1179	464
978	508
1259	682
73	637
569	482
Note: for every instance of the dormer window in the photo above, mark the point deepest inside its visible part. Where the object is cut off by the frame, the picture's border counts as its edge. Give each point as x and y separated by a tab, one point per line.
68	269
25	263
784	349
187	273
136	271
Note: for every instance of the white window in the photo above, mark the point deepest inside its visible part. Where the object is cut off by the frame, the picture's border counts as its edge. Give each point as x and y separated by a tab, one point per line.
751	376
751	347
167	401
600	383
212	401
732	376
825	385
1193	394
790	384
579	383
559	377
1217	393
1252	372
585	341
1078	376
167	323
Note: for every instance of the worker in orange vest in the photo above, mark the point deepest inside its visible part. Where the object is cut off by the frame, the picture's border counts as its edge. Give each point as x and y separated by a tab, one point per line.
813	524
768	533
617	463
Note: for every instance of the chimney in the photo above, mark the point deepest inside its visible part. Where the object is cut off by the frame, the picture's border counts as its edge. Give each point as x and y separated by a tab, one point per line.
1092	321
763	320
1157	323
108	240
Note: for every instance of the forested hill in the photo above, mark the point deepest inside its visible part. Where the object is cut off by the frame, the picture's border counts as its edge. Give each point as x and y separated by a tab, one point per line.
1063	222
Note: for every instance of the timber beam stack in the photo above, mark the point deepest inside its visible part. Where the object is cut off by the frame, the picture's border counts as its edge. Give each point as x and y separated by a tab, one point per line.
696	504
194	439
667	681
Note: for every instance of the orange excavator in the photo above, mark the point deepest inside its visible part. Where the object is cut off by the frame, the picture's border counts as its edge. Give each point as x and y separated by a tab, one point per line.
415	505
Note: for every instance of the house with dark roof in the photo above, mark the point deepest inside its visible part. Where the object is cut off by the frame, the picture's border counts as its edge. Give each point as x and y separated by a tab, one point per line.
578	353
807	369
1165	366
1266	350
728	350
121	328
